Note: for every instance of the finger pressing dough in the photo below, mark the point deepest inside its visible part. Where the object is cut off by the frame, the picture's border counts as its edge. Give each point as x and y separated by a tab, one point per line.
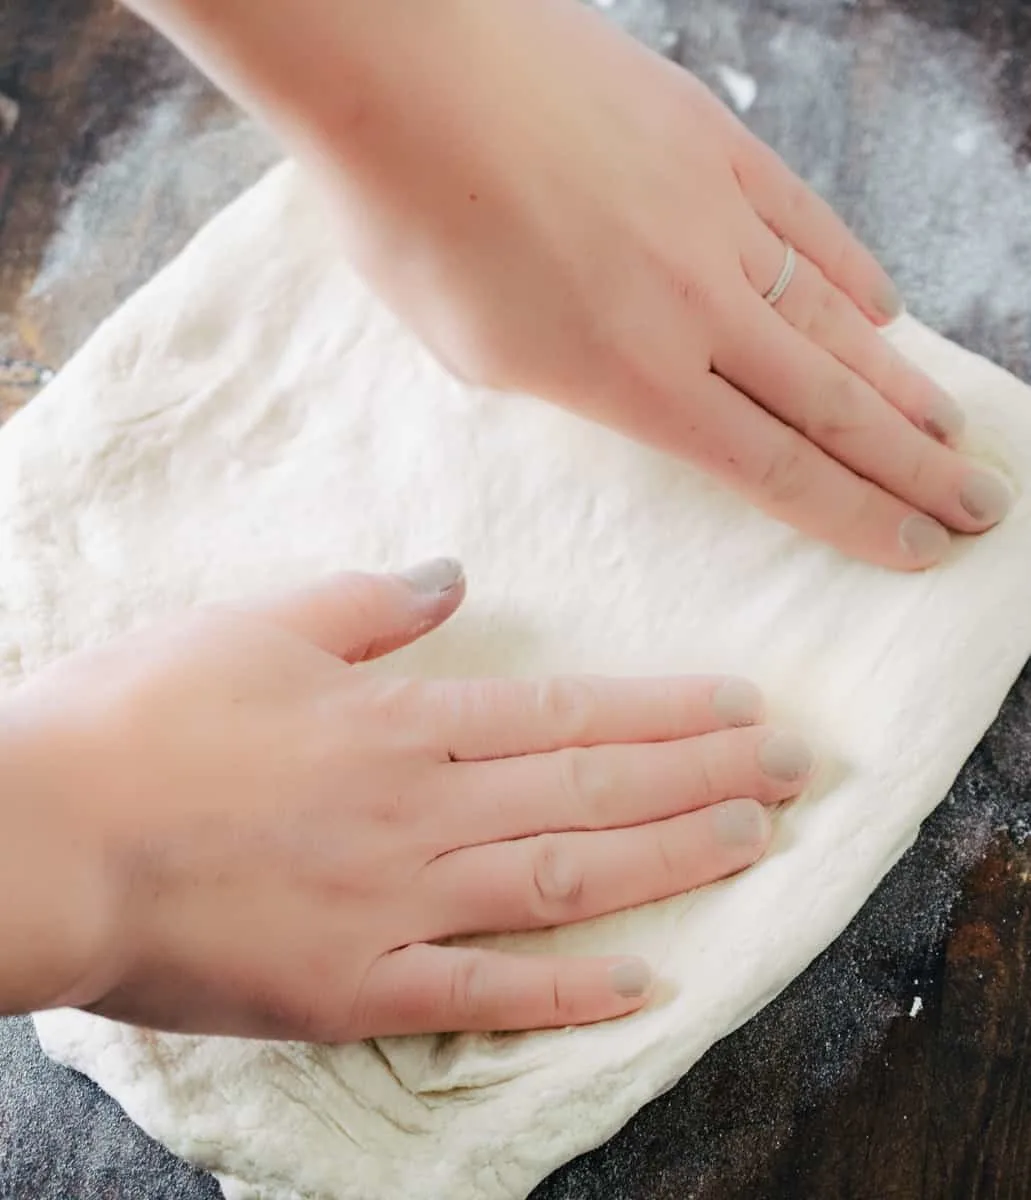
253	417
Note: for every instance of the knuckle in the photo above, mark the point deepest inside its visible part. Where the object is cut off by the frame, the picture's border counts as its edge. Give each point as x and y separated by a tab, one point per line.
837	409
906	389
920	474
367	596
839	259
467	991
823	315
672	702
899	383
703	777
693	291
785	477
371	1006
665	861
752	825
480	699
798	200
868	511
444	706
567	706
881	371
394	706
586	785
557	883
560	1003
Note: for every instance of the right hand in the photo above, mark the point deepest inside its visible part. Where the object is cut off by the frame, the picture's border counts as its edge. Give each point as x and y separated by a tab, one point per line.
554	209
278	841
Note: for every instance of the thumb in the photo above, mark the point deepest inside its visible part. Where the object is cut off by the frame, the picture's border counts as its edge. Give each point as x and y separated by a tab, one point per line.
358	617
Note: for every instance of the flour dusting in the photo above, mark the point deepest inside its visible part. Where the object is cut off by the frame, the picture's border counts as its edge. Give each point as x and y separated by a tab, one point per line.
648	20
741	88
160	179
900	125
9	114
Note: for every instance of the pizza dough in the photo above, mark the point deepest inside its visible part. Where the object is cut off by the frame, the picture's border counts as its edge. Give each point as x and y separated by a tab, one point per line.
253	417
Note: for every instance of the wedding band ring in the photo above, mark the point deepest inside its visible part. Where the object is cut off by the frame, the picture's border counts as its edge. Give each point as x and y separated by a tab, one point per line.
787	273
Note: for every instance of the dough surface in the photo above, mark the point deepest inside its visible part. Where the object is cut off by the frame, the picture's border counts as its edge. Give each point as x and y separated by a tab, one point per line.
252	417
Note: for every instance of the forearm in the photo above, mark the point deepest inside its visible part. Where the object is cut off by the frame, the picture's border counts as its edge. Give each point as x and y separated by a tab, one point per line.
335	78
410	112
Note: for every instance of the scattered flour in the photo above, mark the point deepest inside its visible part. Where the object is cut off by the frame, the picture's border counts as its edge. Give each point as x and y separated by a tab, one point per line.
741	88
910	131
159	180
9	113
647	20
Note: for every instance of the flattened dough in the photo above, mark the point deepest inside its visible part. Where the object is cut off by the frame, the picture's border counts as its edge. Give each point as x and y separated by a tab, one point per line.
252	416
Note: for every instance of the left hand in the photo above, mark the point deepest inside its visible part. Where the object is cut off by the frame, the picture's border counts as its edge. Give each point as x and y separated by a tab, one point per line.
223	825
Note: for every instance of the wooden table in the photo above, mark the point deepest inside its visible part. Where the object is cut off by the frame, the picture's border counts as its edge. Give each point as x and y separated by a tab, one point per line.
915	119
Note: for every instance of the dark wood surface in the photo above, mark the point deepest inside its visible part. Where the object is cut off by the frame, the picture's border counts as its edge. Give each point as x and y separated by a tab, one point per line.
915	119
75	70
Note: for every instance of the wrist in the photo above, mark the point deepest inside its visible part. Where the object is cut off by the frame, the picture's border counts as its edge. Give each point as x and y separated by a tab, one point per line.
56	913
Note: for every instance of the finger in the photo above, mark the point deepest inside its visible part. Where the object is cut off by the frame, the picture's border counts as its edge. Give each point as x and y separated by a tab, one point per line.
834	408
559	878
798	214
825	315
440	989
358	617
787	476
610	787
496	718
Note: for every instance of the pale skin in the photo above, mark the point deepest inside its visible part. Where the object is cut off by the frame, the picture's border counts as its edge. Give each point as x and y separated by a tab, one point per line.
255	836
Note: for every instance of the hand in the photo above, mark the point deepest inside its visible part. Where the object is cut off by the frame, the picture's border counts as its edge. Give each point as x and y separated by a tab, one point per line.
274	838
559	211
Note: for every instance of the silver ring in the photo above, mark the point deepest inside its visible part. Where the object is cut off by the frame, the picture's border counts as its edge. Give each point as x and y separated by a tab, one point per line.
787	273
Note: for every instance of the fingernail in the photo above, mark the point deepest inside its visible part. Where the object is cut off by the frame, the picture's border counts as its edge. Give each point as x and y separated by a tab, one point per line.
945	419
631	978
888	301
436	577
741	823
738	702
985	496
786	757
923	539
